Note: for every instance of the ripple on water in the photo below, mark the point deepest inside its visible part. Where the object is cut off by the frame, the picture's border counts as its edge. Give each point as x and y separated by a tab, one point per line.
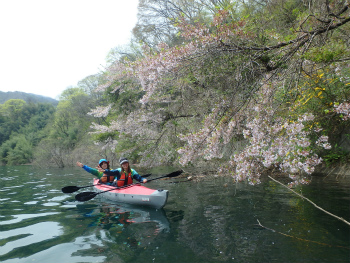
58	198
72	252
55	201
69	205
31	202
54	191
40	186
5	178
29	235
13	186
21	217
51	204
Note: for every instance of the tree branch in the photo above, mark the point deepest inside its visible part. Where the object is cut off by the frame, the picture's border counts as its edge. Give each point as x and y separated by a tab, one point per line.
337	217
304	37
301	239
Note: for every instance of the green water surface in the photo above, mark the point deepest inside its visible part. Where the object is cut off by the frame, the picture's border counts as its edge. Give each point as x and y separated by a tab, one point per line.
209	221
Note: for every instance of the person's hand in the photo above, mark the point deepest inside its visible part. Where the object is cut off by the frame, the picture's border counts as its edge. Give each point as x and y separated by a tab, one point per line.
144	181
100	169
80	164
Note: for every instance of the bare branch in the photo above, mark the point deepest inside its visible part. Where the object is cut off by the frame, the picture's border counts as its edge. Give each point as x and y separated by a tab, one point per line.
301	239
304	38
337	217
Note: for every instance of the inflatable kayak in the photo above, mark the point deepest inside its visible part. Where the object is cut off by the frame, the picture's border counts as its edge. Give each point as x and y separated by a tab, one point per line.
134	194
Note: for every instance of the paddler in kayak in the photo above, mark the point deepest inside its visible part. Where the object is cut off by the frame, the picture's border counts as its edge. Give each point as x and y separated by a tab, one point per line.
123	175
104	178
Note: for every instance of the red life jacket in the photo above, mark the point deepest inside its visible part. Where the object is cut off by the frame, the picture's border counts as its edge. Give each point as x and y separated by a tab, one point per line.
124	180
106	178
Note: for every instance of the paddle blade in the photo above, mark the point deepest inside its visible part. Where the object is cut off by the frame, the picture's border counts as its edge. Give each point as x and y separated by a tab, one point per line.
174	174
70	189
85	196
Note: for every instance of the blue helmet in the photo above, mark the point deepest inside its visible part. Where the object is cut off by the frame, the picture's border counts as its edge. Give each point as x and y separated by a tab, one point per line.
101	161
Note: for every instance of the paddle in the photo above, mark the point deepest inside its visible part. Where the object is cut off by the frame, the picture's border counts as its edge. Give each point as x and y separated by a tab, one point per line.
73	188
173	174
86	196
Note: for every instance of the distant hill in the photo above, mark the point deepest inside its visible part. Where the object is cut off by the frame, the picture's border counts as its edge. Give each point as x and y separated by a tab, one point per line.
28	97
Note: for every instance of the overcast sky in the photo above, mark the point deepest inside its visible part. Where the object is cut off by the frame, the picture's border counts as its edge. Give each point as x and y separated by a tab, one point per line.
49	45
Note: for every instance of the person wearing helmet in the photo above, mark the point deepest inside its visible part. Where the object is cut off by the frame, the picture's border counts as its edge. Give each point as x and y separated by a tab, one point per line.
123	175
104	164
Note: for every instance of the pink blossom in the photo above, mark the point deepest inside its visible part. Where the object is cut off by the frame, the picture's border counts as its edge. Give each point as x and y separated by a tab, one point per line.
100	111
343	108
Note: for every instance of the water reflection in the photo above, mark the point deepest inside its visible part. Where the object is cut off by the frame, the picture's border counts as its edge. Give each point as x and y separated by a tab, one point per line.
84	234
72	252
117	230
119	217
24	236
19	218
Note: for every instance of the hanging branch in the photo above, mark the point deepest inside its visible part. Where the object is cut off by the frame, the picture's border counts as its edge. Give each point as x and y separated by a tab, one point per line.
301	239
337	217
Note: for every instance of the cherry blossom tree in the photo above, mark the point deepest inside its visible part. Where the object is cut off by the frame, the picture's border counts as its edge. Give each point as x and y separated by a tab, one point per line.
225	93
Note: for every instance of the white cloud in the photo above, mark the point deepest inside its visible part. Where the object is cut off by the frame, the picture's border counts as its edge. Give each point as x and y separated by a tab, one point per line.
48	45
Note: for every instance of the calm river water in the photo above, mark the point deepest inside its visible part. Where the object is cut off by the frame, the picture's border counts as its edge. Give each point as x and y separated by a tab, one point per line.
209	221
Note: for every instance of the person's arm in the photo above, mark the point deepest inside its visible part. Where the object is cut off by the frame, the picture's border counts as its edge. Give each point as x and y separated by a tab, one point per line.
90	170
138	177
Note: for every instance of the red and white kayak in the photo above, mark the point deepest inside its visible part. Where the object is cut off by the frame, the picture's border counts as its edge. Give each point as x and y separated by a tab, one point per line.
135	194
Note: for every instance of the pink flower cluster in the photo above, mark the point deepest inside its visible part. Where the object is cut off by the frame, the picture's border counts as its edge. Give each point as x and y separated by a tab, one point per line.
344	109
115	75
275	142
100	111
151	69
269	141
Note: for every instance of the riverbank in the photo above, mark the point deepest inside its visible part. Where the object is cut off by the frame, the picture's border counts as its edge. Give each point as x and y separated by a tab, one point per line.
339	171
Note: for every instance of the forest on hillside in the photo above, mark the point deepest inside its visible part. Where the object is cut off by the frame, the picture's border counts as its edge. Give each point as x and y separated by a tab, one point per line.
28	97
239	86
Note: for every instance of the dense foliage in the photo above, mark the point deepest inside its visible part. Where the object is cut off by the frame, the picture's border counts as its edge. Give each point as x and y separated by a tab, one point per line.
68	136
22	128
45	135
27	97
